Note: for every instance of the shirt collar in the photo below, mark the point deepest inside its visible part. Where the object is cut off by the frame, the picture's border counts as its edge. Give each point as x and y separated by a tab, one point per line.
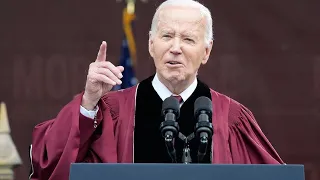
164	92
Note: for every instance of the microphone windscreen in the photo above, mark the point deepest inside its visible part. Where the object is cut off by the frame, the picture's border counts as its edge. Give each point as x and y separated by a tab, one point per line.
171	103
202	104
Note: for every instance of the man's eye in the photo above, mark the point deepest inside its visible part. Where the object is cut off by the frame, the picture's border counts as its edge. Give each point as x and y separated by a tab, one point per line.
189	40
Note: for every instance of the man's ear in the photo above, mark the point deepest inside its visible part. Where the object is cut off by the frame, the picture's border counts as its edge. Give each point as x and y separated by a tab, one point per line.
150	44
207	53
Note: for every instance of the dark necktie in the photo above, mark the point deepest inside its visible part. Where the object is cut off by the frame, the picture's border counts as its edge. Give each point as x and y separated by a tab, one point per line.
179	98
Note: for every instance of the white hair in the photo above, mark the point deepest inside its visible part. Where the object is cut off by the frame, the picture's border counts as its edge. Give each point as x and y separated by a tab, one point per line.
204	11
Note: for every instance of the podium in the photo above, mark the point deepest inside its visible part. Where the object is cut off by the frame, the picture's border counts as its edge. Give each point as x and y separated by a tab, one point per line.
106	171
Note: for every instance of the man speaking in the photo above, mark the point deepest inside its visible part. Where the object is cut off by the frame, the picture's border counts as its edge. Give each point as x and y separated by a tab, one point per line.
165	118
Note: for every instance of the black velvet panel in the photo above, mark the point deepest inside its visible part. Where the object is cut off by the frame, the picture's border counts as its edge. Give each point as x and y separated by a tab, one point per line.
149	146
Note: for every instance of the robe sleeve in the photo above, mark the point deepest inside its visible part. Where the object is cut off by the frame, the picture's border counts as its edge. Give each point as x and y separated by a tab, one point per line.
247	142
61	141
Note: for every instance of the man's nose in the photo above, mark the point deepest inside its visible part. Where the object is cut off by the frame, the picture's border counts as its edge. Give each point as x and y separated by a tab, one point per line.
176	47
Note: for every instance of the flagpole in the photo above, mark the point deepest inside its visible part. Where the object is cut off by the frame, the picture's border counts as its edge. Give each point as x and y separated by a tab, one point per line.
131	6
128	18
128	56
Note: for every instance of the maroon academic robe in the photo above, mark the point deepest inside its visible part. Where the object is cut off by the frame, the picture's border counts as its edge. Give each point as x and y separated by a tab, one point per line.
71	137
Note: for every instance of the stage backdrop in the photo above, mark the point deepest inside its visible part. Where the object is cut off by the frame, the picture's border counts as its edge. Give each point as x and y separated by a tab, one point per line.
266	55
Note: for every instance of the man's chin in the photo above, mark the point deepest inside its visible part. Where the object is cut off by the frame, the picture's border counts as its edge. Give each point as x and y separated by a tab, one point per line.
174	78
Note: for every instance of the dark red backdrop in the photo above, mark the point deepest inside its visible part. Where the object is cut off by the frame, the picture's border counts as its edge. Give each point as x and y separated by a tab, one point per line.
266	55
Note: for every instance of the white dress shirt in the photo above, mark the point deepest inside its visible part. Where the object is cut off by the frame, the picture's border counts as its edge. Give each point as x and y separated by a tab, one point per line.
164	92
161	90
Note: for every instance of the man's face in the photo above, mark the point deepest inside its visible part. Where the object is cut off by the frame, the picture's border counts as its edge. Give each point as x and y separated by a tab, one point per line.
178	47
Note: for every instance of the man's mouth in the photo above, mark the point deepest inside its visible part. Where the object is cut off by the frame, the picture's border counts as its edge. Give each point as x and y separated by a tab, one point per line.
173	62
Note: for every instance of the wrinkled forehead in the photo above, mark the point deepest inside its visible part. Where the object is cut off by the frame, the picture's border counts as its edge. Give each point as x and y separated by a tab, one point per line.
181	19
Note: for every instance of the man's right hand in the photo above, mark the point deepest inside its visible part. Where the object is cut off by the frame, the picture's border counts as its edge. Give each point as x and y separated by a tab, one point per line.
102	76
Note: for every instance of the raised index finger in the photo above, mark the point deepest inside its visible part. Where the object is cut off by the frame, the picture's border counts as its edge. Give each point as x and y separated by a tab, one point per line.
102	54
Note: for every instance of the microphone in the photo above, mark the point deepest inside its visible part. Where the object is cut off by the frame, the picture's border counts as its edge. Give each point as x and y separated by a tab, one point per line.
203	129
169	127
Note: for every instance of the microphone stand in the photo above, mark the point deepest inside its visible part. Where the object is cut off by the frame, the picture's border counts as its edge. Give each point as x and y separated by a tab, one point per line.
168	139
202	146
204	130
169	129
186	156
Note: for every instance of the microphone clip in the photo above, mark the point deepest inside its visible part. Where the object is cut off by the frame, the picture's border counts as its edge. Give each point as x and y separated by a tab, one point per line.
204	126
169	129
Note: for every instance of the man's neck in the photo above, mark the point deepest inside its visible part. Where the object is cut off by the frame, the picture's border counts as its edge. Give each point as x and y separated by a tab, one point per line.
176	87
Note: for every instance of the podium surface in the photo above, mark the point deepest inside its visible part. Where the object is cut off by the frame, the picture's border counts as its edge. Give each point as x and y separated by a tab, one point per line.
106	171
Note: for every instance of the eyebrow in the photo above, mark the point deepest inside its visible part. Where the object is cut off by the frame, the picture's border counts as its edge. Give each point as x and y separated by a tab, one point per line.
189	34
186	33
166	30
